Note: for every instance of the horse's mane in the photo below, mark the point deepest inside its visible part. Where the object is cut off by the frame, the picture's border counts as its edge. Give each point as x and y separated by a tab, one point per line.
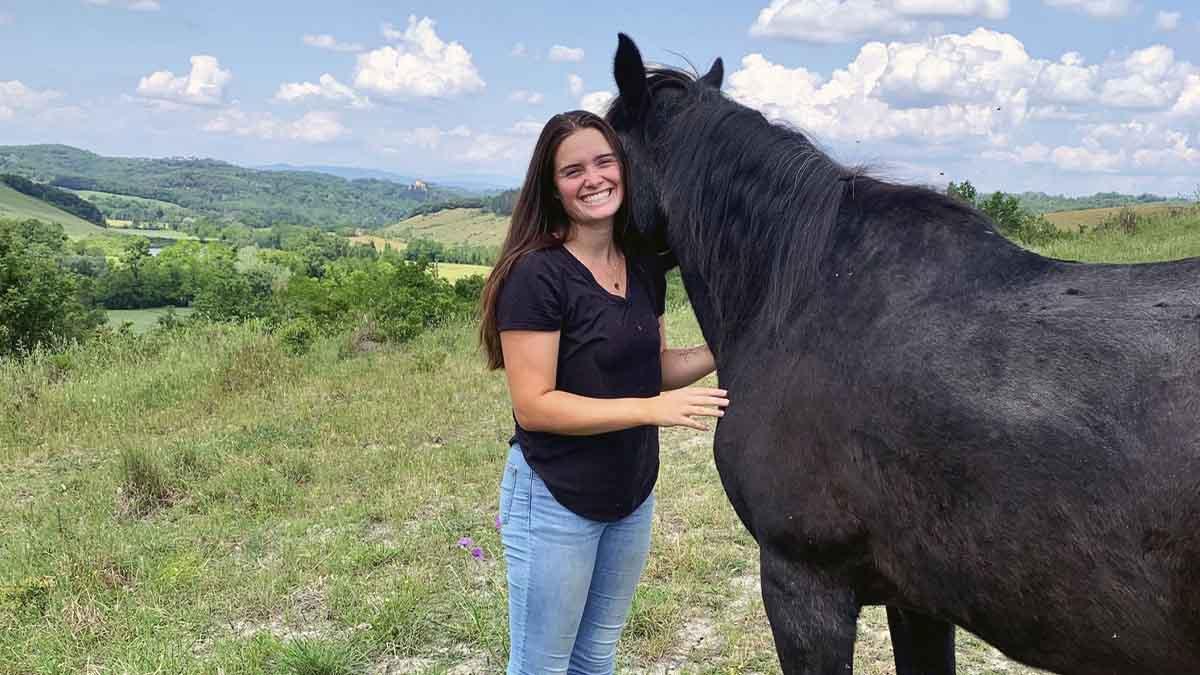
756	203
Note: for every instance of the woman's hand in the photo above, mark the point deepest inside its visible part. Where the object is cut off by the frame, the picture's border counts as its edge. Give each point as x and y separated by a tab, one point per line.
678	407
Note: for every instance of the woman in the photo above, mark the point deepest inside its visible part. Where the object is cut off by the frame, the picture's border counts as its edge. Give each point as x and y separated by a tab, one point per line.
574	316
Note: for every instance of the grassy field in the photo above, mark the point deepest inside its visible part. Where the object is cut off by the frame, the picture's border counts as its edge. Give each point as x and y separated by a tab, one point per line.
455	271
379	243
453	226
1088	218
150	233
92	194
19	206
202	501
143	320
1167	234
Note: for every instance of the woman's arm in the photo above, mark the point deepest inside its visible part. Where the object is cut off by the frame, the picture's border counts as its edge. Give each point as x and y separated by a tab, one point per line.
681	367
531	364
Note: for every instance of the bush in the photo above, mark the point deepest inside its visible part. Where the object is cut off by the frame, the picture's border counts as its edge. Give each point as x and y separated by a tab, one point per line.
297	335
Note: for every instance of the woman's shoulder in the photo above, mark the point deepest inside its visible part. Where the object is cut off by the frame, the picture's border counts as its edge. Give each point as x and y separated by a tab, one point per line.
538	261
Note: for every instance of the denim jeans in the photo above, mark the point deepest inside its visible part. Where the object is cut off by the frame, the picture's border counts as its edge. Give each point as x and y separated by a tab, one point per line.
570	579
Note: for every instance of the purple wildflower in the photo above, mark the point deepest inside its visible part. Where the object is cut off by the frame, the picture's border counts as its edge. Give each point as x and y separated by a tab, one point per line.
497	522
465	543
477	553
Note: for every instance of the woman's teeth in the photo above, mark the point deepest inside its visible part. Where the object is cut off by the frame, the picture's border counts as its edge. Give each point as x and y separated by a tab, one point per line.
597	198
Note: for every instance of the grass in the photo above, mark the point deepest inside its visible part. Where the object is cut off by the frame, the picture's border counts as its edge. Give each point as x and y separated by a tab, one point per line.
455	271
1088	218
1168	234
150	233
143	320
202	501
20	206
452	226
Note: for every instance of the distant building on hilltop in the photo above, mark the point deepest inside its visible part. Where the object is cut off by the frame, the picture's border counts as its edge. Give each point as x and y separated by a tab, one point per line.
420	185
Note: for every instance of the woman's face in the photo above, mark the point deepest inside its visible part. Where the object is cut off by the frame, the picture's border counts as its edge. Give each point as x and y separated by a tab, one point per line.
587	176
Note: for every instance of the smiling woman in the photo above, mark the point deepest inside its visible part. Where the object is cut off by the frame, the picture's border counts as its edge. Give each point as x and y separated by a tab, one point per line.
572	312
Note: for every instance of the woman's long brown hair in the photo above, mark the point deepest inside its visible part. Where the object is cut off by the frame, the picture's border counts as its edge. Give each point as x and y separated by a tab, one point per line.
538	219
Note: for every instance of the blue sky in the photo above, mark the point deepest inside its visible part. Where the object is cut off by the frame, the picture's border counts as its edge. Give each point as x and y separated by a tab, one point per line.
1064	96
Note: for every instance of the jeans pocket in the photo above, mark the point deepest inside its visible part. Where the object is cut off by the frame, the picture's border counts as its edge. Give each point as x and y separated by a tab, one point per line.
508	484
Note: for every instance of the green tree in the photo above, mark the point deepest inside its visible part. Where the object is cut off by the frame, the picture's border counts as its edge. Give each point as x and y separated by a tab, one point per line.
41	301
1005	210
963	191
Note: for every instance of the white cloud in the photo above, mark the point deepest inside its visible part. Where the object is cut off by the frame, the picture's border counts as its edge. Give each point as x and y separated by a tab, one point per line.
135	5
574	85
834	21
519	50
313	127
829	21
1147	78
429	138
1167	21
1188	102
324	41
15	96
1103	9
1085	160
525	96
1069	80
204	85
526	128
491	148
327	88
597	101
561	54
421	66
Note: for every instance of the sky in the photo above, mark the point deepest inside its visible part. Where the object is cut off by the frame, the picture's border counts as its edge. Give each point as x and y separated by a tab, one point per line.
1061	96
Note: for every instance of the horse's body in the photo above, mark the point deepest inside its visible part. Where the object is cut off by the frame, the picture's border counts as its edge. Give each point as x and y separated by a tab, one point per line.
926	416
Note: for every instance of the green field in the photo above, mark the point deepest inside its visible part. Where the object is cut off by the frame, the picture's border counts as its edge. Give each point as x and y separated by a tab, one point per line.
452	226
1162	234
151	233
143	320
90	194
455	271
1073	220
19	206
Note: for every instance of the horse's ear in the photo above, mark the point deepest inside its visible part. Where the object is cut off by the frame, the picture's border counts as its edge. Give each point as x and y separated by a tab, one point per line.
630	73
715	75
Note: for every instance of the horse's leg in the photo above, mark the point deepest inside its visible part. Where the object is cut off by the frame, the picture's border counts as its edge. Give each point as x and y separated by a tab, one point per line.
813	617
921	645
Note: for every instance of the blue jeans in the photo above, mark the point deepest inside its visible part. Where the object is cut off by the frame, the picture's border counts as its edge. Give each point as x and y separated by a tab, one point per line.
570	579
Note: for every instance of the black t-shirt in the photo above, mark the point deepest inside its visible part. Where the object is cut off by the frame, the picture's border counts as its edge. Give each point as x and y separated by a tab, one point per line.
608	348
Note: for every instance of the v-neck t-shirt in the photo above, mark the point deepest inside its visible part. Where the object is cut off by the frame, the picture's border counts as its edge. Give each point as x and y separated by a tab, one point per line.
608	348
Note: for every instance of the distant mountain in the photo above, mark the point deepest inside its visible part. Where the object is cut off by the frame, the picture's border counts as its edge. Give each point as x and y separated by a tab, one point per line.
225	191
347	172
472	183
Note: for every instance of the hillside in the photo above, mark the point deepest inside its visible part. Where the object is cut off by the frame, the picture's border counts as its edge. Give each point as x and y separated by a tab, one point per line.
222	190
453	226
18	206
1040	202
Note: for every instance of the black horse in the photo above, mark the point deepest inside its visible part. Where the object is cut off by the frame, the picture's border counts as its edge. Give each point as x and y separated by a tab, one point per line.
926	416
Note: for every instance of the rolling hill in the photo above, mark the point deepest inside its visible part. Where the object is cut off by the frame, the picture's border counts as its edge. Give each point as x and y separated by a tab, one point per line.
225	191
453	226
18	206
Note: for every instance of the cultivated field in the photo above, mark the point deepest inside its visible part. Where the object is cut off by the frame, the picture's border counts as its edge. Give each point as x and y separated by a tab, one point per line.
1073	220
20	206
453	226
454	271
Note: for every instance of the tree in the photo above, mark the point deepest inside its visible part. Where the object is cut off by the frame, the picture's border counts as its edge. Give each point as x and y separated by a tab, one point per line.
963	191
1005	210
41	301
